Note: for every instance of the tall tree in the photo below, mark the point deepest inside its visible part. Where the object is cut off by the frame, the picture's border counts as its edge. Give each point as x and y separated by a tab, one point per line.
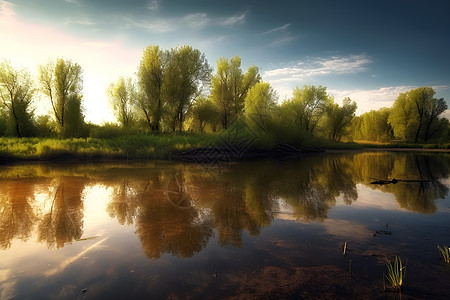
259	104
122	95
187	72
62	82
16	92
150	79
230	87
312	102
415	115
340	117
204	112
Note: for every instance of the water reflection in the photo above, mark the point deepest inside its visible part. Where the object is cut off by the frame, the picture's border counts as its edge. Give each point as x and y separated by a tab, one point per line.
177	208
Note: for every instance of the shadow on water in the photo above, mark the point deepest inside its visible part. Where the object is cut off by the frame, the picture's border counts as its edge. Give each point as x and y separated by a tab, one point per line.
178	209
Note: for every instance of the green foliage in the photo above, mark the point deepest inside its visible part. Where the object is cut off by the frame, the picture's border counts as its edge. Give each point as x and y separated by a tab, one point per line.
396	273
415	116
373	126
311	102
229	87
186	73
260	104
339	118
16	93
61	81
122	95
445	253
204	113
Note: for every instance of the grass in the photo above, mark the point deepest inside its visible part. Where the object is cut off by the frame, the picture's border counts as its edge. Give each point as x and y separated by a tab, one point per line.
125	147
445	253
396	272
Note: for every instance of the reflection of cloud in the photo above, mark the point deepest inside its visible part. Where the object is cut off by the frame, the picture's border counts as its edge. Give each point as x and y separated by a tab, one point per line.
7	285
375	199
346	229
67	262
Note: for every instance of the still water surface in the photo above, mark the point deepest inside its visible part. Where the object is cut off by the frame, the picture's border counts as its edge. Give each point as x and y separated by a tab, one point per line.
262	229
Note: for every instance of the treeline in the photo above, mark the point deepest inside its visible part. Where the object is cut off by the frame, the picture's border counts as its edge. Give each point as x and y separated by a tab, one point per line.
176	91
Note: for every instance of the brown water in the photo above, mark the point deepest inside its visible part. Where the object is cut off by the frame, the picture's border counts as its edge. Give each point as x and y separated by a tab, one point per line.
265	229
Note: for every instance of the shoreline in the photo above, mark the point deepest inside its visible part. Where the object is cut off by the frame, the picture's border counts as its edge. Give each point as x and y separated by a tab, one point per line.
208	155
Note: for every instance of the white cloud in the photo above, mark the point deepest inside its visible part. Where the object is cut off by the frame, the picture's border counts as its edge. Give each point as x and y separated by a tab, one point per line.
76	2
6	9
277	29
153	5
155	26
283	41
84	22
198	20
234	20
299	70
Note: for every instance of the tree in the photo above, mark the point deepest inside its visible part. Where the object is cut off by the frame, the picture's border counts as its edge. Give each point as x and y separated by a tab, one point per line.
415	115
204	112
230	87
16	92
373	126
186	73
122	95
312	103
62	82
150	79
340	117
259	104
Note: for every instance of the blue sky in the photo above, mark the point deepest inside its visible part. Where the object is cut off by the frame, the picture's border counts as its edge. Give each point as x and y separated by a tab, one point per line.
367	50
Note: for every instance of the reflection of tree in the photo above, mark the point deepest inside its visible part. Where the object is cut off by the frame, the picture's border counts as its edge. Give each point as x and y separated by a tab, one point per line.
17	216
420	196
122	204
64	222
312	185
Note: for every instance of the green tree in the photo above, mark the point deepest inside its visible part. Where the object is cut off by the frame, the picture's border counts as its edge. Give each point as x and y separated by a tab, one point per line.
312	103
259	104
373	126
122	95
150	79
186	74
204	112
339	118
16	92
230	86
415	115
61	81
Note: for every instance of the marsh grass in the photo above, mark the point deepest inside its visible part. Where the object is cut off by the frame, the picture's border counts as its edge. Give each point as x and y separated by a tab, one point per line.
396	272
445	253
124	147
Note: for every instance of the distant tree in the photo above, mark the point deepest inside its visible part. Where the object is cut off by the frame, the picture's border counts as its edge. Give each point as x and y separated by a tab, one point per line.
339	118
62	82
150	79
122	95
260	103
187	73
204	112
16	92
312	103
373	126
415	115
230	86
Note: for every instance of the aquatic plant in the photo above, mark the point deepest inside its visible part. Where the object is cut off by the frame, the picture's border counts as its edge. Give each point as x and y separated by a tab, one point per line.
396	272
445	253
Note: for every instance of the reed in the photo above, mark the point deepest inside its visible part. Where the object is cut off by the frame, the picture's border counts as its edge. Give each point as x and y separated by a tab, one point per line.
396	272
445	253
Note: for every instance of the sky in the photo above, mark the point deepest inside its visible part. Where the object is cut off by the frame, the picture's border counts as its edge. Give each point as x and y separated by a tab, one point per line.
369	51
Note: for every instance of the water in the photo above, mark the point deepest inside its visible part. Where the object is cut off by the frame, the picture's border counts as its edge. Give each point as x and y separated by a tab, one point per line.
262	229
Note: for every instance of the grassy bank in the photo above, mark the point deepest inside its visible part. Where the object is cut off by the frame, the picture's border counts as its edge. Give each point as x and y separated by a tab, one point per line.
162	146
93	149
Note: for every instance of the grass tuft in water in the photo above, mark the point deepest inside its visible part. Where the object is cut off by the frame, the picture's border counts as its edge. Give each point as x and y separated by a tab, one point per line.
396	272
445	253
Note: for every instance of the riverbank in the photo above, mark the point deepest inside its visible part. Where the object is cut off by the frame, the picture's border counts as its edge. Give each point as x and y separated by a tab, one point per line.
188	147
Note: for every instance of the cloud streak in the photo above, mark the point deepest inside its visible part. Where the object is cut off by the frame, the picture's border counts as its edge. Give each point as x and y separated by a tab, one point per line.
276	29
299	70
235	20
